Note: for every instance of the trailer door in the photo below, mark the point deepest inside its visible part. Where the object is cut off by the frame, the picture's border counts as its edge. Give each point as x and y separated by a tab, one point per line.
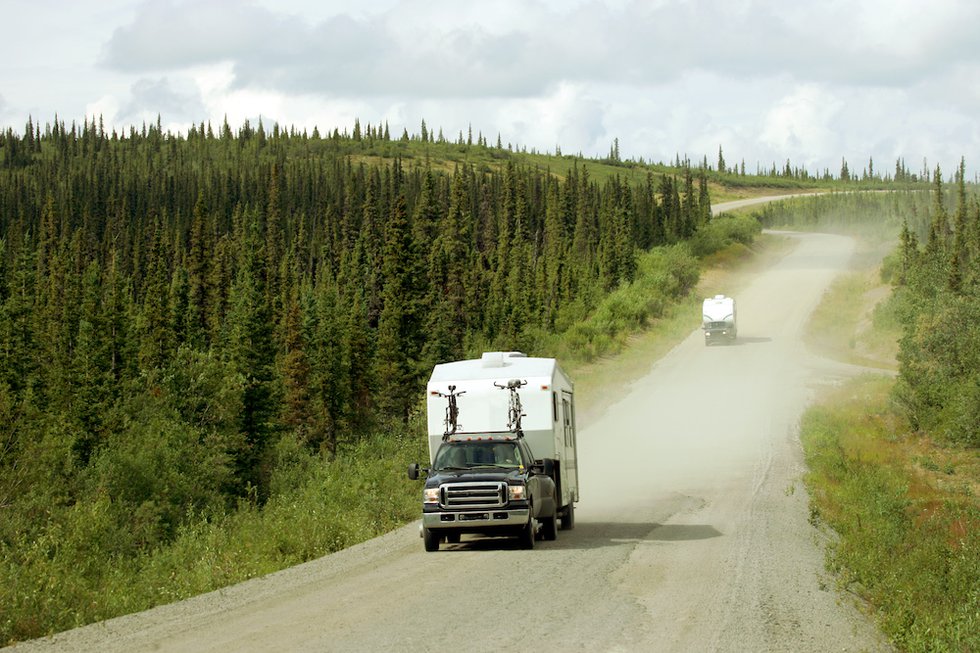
569	462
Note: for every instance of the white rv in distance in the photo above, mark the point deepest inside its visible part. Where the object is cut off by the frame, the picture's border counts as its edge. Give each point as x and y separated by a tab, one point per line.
718	319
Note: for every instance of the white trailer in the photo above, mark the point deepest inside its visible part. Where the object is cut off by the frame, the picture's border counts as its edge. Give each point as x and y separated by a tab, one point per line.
718	319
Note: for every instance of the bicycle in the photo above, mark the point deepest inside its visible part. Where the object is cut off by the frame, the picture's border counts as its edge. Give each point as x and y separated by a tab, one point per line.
514	410
452	411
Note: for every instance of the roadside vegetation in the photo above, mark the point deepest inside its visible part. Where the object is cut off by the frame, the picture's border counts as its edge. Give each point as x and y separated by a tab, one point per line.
212	345
893	461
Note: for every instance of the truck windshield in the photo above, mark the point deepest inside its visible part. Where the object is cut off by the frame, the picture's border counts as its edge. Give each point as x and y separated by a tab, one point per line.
464	455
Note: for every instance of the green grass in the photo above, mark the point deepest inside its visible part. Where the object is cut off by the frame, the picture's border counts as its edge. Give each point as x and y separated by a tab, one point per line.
448	154
852	323
907	543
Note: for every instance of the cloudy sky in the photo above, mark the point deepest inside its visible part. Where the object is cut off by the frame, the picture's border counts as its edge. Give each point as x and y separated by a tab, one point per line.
810	81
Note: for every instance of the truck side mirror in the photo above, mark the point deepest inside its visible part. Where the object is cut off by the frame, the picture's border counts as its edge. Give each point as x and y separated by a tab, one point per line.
413	471
544	466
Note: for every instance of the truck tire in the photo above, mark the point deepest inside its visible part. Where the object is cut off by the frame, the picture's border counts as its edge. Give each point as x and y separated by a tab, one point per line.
431	539
526	537
568	518
549	528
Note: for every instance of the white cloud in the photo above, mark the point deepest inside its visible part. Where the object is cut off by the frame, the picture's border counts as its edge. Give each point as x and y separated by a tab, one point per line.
804	121
765	79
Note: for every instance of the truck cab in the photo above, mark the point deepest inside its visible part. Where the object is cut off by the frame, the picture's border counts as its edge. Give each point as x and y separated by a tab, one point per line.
487	484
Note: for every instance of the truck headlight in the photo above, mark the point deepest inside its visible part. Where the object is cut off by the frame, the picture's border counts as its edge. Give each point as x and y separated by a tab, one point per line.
430	495
517	492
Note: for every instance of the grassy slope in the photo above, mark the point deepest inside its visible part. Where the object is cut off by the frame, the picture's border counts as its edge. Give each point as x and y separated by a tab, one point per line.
852	324
446	156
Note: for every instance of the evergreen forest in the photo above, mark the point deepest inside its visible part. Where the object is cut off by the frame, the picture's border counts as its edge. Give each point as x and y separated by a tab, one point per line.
197	328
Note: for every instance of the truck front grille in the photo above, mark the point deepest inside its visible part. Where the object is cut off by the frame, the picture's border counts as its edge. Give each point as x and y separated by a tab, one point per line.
474	494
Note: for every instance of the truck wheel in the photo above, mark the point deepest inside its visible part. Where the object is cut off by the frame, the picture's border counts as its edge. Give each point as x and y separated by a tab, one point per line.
568	518
431	539
526	538
549	528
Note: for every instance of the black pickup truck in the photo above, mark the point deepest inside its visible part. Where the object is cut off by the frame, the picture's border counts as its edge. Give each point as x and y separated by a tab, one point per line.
488	484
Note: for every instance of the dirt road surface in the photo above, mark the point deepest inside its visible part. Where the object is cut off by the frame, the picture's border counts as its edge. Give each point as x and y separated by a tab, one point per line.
692	532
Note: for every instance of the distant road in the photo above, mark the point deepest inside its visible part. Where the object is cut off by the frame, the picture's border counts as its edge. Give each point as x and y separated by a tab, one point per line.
738	204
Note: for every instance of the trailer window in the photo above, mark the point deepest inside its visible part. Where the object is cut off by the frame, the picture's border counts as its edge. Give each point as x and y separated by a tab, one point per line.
554	406
567	411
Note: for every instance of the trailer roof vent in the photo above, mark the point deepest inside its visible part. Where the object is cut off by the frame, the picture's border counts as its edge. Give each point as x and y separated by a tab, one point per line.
493	359
498	358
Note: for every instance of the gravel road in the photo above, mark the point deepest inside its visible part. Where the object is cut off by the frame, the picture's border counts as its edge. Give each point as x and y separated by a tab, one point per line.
691	535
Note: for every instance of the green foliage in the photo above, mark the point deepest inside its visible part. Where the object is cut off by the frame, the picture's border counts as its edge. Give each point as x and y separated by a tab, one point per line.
664	275
939	302
75	570
723	231
939	360
916	558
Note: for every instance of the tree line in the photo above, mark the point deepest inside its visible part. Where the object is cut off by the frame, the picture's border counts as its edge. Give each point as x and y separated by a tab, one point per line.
937	277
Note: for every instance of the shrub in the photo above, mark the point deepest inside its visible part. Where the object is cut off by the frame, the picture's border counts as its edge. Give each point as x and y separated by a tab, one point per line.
914	556
723	231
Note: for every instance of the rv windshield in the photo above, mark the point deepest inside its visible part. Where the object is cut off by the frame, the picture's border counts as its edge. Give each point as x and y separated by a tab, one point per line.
464	455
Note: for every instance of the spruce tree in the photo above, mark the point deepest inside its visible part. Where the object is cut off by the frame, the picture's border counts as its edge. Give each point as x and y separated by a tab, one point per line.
330	378
156	337
554	255
93	390
249	347
446	316
393	364
199	257
358	353
295	370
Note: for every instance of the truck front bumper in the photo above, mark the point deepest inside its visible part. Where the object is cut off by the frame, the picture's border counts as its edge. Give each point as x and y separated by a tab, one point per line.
718	334
477	520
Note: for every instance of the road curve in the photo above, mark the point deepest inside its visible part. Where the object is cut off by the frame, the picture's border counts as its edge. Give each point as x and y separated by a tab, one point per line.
691	535
731	205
